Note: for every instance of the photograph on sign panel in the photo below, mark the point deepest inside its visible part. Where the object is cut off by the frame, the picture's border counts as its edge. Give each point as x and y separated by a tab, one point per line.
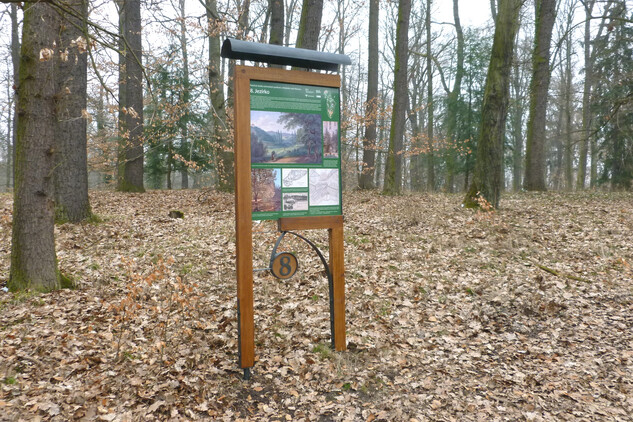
330	139
295	178
324	187
285	138
266	185
297	201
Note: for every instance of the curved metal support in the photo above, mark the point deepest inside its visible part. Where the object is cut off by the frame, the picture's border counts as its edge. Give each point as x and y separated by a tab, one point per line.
326	266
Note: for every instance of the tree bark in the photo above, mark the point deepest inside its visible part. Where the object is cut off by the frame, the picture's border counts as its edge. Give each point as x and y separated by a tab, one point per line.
569	108
71	160
276	22
131	177
186	98
310	24
535	143
371	106
217	115
430	135
586	99
393	167
487	178
33	261
453	103
15	59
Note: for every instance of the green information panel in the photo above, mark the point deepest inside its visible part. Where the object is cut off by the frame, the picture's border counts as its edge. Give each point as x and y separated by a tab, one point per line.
295	150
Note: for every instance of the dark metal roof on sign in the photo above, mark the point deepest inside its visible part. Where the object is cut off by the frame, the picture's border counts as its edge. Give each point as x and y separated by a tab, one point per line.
276	54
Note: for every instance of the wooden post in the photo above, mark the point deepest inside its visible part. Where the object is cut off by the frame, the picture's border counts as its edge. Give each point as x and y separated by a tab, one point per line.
243	220
337	267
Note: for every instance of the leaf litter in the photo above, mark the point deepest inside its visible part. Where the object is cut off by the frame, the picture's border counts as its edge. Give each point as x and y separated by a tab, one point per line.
451	315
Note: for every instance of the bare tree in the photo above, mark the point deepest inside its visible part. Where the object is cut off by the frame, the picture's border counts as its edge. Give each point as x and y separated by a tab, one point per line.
393	168
130	174
487	176
71	159
535	143
371	106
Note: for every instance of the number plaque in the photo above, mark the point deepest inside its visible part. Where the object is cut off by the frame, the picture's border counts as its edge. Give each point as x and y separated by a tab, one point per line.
284	265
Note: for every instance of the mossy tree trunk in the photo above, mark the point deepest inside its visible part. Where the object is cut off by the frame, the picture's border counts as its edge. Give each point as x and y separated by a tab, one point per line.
33	261
310	24
393	167
487	175
71	161
535	143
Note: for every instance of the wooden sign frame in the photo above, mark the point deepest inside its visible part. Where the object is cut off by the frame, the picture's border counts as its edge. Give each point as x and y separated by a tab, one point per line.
243	211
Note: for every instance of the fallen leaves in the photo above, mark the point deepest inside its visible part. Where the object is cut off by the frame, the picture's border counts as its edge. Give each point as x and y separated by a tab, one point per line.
448	315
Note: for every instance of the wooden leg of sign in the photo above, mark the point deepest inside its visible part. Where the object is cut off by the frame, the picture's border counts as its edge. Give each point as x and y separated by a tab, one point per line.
337	266
243	224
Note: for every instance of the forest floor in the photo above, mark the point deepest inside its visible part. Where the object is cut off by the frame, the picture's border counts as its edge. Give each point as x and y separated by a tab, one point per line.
452	315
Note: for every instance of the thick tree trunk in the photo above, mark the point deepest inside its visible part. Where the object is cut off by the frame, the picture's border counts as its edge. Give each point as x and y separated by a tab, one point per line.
71	159
371	106
131	178
535	143
310	24
487	178
393	167
33	261
276	22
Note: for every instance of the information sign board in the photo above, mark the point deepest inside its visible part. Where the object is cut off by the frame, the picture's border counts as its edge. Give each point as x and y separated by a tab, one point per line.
295	150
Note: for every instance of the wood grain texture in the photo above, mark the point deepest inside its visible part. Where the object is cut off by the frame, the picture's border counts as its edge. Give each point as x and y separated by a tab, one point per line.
337	266
243	220
310	223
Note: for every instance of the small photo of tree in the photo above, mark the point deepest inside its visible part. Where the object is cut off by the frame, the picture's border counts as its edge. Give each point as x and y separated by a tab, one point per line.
330	139
266	185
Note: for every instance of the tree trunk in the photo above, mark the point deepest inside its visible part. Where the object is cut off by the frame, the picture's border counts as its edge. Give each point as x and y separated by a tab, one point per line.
453	98
430	135
393	167
15	59
186	98
122	128
33	261
586	95
569	108
276	22
310	24
486	181
71	160
371	106
517	125
535	143
131	177
217	115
